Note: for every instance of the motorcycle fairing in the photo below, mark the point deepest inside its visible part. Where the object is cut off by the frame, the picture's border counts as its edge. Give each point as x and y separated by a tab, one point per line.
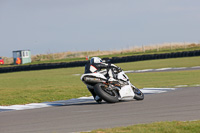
122	76
98	75
126	92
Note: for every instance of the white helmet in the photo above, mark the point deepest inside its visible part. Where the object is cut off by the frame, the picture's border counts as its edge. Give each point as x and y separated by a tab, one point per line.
95	60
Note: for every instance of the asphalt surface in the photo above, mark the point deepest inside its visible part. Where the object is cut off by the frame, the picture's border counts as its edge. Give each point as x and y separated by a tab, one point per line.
182	104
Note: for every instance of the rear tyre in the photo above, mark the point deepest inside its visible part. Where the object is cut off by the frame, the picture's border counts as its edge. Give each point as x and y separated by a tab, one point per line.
138	94
107	95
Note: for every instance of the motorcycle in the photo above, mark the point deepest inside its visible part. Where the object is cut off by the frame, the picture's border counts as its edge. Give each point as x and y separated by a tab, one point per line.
112	91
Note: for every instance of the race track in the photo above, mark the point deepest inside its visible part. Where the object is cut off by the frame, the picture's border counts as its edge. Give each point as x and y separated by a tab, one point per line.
182	104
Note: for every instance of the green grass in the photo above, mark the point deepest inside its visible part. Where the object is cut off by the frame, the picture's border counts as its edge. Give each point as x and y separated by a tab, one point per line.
61	84
157	127
165	79
161	63
40	86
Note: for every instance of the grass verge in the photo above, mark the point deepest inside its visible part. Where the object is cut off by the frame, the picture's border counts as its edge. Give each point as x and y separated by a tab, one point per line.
157	127
165	79
62	84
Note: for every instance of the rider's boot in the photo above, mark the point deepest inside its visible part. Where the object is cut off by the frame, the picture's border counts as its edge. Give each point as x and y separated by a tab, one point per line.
98	99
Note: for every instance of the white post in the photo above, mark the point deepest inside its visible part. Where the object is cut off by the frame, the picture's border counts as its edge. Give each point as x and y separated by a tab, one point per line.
170	46
143	48
184	45
157	48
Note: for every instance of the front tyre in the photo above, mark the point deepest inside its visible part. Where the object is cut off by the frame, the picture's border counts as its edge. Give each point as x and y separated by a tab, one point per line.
138	94
105	93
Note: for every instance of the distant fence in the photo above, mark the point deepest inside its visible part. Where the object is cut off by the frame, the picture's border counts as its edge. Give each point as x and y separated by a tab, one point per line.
155	56
113	60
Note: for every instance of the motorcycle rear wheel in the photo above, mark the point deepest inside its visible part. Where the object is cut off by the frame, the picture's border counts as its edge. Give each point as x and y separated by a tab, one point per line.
109	96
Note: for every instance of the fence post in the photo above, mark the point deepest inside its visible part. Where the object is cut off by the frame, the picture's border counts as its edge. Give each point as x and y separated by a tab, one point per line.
170	46
184	45
143	48
157	48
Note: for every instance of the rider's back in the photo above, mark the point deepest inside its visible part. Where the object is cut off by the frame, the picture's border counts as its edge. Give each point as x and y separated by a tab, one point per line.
87	67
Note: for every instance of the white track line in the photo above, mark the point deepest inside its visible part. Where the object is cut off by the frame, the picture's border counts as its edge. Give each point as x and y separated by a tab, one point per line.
156	70
162	69
73	101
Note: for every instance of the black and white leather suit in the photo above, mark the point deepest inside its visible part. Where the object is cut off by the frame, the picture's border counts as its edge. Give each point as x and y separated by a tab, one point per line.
97	67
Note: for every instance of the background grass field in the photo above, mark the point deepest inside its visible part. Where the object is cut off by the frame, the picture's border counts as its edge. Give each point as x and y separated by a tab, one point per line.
63	84
134	50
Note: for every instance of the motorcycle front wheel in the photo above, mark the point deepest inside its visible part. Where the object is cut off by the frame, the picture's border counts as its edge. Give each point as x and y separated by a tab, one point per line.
105	93
138	94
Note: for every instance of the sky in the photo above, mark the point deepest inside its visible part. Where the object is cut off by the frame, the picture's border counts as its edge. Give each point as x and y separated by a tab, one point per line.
52	26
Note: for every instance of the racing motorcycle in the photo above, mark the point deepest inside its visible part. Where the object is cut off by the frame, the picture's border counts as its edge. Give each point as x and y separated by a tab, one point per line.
112	91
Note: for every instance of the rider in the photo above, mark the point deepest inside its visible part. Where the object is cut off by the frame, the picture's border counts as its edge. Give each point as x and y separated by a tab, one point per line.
96	65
